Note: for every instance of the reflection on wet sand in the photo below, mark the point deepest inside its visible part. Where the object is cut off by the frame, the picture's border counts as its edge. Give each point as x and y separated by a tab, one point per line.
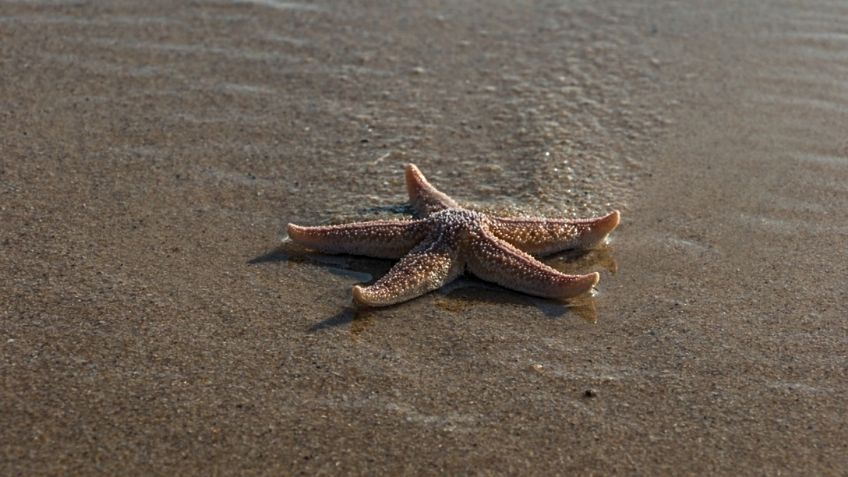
468	292
573	262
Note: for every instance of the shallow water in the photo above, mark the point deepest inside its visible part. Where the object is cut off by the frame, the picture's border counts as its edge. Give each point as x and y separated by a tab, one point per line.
153	153
559	97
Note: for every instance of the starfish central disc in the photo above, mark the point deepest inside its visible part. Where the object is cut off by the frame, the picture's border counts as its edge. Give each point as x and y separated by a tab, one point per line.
445	240
456	220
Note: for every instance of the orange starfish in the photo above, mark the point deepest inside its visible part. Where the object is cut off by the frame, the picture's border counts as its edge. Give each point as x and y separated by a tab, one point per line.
446	239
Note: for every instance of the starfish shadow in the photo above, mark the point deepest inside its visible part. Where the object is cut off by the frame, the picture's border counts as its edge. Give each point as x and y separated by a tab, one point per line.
460	296
358	318
470	288
403	209
360	268
457	296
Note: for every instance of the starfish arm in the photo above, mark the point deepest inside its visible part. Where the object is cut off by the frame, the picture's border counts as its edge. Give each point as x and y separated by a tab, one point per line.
540	236
495	260
428	267
381	238
425	198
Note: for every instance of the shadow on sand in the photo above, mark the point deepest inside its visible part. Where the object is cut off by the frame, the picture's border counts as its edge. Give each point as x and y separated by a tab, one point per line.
455	297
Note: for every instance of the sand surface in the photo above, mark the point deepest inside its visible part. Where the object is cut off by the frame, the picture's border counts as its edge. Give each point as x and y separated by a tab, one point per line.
152	152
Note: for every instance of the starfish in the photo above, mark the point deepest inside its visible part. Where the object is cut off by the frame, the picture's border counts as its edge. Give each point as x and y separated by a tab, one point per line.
444	240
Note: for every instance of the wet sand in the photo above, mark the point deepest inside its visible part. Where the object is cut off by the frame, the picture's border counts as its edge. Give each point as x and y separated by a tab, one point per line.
152	154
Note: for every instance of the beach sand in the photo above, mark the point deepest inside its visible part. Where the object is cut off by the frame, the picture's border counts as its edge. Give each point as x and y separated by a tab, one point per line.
152	153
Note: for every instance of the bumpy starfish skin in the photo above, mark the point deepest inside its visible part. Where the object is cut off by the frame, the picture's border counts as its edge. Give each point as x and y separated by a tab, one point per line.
446	239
